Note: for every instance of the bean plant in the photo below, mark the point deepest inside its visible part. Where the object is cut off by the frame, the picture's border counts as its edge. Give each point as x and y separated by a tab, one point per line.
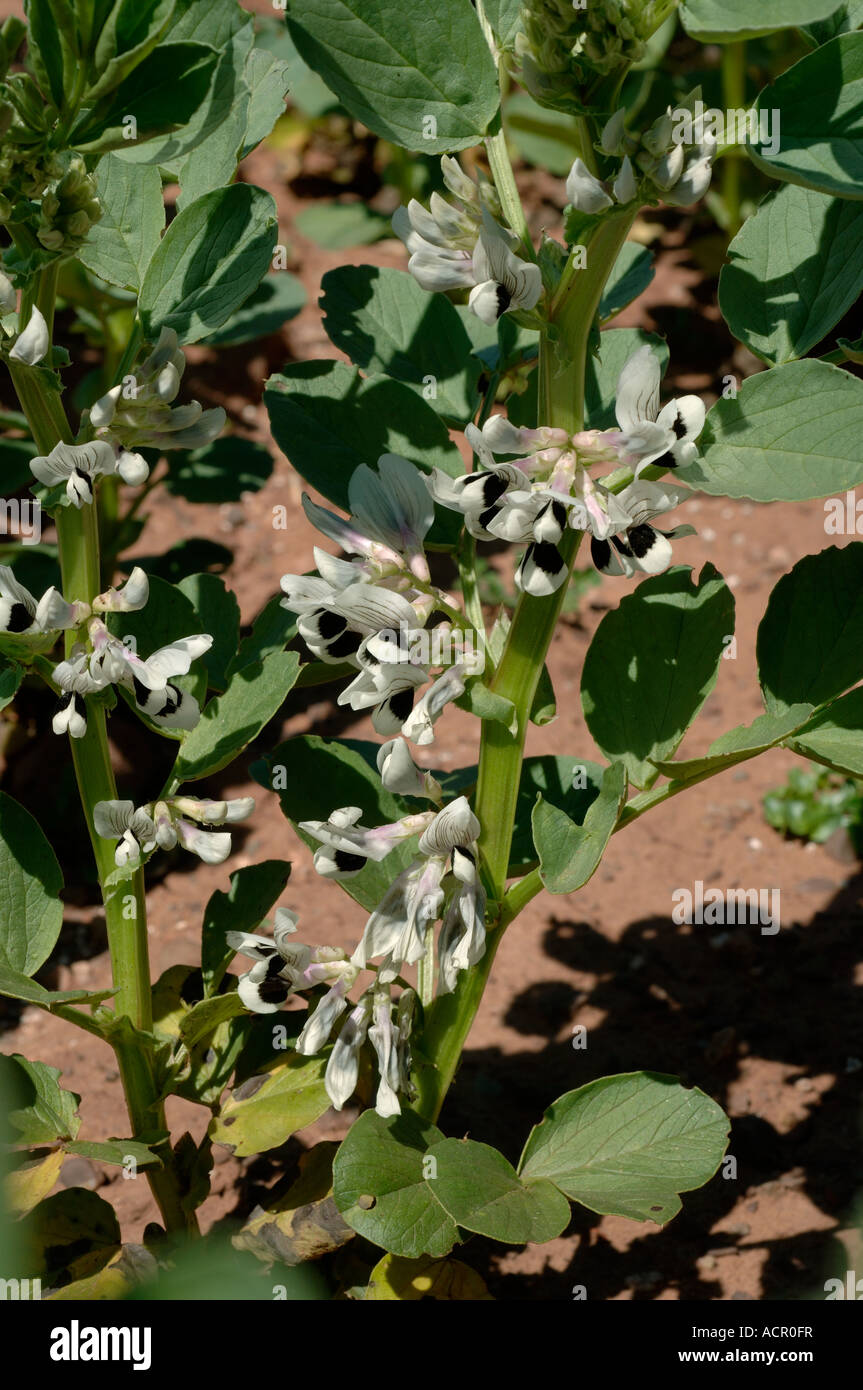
485	407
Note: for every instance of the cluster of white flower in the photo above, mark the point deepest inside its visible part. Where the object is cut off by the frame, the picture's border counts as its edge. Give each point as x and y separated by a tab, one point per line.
371	612
546	486
461	245
178	820
441	883
655	166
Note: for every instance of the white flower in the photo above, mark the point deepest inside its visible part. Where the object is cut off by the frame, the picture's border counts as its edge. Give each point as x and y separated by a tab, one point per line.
396	928
70	716
32	344
454	826
400	774
79	466
462	936
320	1024
21	614
503	281
392	506
584	190
383	1036
144	417
419	725
638	546
130	597
279	966
134	829
663	437
347	846
343	1067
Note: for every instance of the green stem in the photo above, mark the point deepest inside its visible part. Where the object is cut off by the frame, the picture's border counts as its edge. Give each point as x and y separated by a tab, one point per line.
504	182
125	904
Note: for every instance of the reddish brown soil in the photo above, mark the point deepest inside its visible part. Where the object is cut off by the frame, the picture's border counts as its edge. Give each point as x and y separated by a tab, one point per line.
768	1025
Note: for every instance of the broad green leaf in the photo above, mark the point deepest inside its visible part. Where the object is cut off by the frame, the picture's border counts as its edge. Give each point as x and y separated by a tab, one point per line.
738	745
31	912
162	94
380	1187
26	1185
328	421
504	16
266	1110
208	21
75	1230
273	628
819	102
313	775
726	21
209	1061
848	17
616	346
790	434
794	271
482	1192
630	276
16	985
336	226
835	736
116	1151
385	323
205	155
651	665
10	680
220	471
407	1281
277	299
204	1018
209	261
421	75
218	613
120	246
253	891
810	641
268	82
569	854
572	784
201	151
52	45
41	1110
230	721
628	1145
130	32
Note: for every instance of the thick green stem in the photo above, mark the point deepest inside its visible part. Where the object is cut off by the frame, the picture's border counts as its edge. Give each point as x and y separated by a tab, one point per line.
125	903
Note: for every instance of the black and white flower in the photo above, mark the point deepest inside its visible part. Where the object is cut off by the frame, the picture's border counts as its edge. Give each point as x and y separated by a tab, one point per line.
78	466
633	545
664	437
347	846
22	615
